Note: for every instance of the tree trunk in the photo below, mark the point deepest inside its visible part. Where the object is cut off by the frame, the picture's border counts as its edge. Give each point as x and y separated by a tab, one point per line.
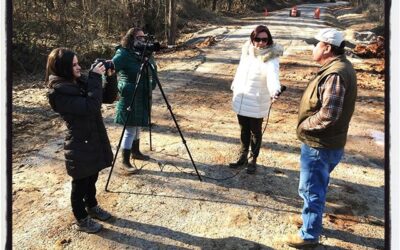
57	4
109	18
214	5
166	17
80	4
230	5
49	4
172	22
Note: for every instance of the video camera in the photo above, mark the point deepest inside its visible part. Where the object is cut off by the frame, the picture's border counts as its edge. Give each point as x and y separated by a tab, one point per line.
148	46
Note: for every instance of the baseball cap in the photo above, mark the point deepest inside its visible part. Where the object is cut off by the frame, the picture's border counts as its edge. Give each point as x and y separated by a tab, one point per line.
328	35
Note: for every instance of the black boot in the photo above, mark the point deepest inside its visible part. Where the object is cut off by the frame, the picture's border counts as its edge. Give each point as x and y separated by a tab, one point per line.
242	160
136	154
251	167
126	163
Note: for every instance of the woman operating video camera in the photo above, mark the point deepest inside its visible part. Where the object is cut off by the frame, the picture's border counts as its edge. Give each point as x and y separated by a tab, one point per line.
127	61
87	148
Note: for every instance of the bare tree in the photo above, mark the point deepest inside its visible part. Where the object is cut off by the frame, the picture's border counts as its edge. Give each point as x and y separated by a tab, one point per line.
229	2
90	27
172	22
214	5
166	17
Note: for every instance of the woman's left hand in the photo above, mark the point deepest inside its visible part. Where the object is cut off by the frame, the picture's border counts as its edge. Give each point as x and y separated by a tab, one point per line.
110	72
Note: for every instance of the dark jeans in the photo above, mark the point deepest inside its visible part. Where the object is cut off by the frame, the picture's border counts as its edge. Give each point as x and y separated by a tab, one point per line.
83	194
250	133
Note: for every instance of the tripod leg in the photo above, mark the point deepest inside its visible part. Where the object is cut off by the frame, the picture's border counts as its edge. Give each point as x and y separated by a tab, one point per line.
176	123
130	111
150	125
151	144
115	157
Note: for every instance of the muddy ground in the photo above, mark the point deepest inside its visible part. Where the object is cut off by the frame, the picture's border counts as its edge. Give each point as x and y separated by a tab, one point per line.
166	206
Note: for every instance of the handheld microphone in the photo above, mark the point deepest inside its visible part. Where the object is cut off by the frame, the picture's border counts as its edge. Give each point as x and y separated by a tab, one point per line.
283	88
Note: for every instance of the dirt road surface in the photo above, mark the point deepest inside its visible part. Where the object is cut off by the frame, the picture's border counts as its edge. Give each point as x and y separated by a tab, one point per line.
166	206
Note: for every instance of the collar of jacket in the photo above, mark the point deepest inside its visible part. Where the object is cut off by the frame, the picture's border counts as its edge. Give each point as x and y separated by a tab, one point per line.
273	51
117	47
62	85
329	63
56	81
134	53
129	50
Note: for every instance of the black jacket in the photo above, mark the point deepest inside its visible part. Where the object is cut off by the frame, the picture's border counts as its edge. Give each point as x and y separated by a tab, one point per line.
87	148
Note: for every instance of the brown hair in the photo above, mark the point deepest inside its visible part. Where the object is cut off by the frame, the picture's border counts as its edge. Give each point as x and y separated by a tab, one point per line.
259	29
129	38
59	63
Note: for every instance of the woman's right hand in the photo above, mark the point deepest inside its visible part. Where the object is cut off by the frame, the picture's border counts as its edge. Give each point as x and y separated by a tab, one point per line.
99	69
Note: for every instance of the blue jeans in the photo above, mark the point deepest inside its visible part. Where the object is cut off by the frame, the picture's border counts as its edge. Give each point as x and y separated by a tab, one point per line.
316	166
130	134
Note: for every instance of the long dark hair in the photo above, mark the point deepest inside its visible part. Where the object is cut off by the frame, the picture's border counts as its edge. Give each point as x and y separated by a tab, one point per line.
129	38
59	63
259	29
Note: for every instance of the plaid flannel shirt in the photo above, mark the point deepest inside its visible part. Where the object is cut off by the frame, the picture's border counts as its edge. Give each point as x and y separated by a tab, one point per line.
331	94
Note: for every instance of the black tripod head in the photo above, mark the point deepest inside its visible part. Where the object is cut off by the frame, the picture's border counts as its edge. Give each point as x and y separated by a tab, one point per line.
147	46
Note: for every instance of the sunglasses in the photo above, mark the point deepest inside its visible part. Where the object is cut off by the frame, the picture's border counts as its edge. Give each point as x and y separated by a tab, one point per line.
258	39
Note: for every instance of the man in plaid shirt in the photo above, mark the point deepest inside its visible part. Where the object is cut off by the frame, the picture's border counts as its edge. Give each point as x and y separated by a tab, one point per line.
325	112
331	93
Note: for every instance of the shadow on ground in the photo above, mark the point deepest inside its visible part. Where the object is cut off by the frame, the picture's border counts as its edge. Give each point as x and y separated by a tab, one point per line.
164	235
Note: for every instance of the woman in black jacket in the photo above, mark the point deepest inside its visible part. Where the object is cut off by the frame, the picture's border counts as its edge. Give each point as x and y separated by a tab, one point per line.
87	148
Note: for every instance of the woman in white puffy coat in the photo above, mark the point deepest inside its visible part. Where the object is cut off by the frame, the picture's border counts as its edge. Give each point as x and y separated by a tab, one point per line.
255	86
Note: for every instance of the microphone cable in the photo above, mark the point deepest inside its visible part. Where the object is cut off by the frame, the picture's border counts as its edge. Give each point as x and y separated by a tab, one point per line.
283	88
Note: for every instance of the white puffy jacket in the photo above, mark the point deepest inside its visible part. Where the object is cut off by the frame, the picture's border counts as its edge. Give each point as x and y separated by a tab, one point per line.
256	80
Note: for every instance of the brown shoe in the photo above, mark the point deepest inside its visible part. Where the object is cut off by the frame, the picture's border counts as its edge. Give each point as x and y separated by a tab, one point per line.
294	240
296	220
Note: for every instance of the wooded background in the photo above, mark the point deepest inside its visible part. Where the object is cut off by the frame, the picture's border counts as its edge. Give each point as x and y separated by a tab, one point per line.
93	27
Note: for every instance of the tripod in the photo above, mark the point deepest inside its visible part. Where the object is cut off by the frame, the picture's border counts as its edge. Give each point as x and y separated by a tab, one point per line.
143	70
